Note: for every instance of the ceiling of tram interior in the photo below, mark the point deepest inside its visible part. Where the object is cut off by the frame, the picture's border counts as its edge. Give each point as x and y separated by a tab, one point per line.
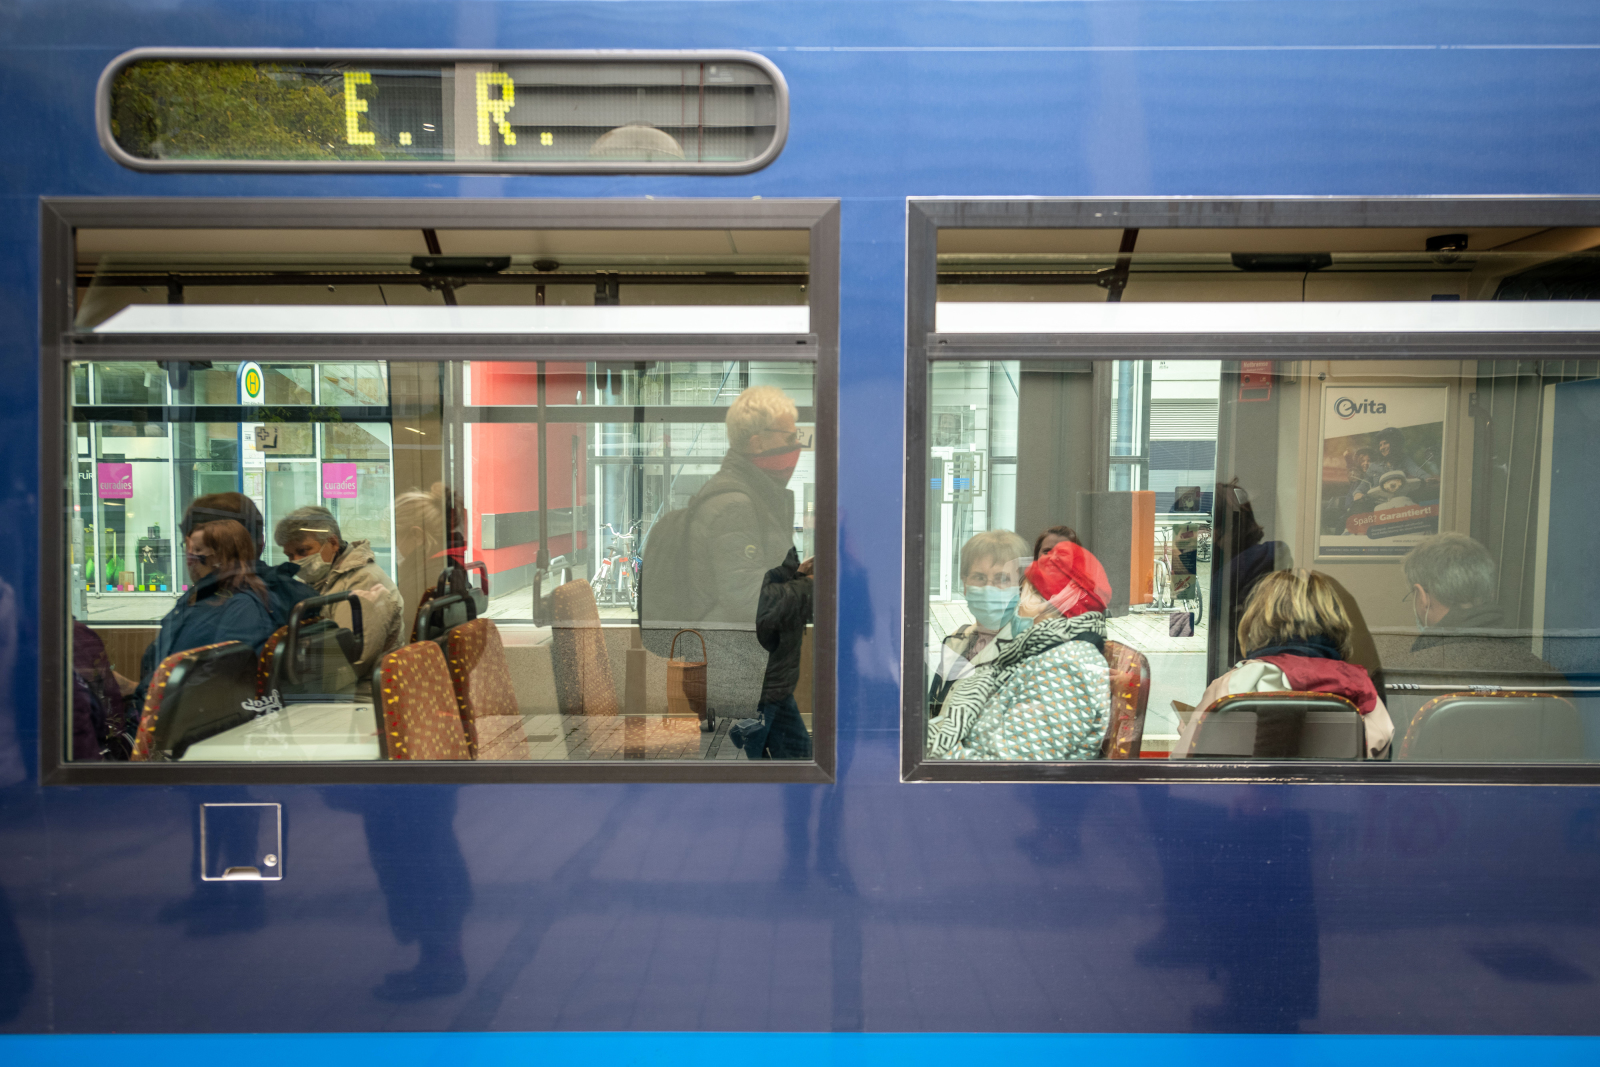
119	267
1206	264
1013	242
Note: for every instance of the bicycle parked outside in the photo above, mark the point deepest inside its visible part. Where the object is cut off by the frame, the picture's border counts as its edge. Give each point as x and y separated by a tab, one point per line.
617	579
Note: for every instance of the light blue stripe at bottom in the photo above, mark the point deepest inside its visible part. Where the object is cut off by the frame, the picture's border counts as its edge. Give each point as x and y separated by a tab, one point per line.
783	1050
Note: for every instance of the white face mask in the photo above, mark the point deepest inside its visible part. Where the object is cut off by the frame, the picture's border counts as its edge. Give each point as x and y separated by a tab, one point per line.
314	568
1419	612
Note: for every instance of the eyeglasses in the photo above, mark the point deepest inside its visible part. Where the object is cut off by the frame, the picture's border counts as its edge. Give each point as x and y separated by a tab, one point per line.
193	558
998	581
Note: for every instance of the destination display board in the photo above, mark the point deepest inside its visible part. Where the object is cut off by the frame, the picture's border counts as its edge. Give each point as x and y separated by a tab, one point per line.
494	112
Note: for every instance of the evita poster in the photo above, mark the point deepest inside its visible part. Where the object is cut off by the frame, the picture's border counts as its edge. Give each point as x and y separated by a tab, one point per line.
1381	453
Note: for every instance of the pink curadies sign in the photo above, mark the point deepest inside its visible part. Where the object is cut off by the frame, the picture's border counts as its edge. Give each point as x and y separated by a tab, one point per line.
114	481
338	481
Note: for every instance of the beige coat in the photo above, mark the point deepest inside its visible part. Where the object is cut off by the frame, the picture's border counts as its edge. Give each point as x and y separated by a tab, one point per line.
382	610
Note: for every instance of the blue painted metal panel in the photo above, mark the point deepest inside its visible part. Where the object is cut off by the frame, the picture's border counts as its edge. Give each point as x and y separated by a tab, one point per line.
780	1050
869	905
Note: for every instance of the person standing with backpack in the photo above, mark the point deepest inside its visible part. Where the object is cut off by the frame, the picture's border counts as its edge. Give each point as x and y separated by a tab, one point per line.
726	565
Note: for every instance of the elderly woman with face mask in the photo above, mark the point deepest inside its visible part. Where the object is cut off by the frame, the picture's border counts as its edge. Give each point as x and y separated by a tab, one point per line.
310	537
991	580
1049	694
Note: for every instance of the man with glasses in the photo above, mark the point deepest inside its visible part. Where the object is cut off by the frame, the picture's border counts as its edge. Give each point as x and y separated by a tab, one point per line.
1464	638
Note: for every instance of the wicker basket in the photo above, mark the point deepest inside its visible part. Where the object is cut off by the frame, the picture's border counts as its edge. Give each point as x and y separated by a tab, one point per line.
686	680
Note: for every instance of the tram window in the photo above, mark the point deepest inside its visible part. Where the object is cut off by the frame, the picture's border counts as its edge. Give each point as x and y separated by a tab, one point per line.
676	112
559	560
1407	538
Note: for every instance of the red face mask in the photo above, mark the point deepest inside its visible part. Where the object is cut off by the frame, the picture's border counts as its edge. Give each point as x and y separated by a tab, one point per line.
778	463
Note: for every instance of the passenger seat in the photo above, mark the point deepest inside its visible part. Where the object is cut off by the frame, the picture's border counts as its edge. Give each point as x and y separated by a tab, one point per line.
489	712
418	718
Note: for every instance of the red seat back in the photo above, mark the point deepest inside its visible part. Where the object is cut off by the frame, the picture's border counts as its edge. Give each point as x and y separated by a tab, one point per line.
418	715
1130	695
482	681
584	685
196	694
269	656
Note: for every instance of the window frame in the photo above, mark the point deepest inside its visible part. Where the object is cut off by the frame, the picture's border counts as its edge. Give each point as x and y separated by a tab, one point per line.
102	109
926	217
61	346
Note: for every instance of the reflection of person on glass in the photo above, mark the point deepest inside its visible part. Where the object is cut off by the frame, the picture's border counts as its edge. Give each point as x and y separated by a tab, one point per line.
419	543
1242	558
417	859
777	731
742	527
1296	636
991	580
1049	694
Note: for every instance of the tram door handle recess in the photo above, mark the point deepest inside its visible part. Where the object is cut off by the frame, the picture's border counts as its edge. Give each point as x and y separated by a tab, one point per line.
241	842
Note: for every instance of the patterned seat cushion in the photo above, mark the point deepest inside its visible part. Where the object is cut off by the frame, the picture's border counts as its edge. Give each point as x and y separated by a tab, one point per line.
144	741
269	655
421	720
1130	695
584	685
482	680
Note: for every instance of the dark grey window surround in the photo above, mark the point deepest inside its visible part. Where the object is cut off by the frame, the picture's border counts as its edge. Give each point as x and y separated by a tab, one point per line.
60	346
102	109
926	217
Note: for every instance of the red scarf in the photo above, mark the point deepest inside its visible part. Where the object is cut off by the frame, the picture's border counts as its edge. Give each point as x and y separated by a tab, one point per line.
1312	674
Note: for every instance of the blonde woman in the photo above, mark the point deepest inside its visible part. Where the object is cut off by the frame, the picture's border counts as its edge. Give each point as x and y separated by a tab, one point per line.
1296	637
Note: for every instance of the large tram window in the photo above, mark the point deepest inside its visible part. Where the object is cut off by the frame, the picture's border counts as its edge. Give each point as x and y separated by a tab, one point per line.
1407	539
554	560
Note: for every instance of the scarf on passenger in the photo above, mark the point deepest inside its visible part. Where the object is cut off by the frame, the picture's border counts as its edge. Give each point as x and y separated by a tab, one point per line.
1316	667
1316	647
969	697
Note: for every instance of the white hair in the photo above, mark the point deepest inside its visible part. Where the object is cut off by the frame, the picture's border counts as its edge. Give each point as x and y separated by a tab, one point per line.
311	521
1453	569
756	410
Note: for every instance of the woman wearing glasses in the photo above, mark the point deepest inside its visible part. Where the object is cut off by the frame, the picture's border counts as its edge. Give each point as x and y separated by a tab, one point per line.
226	600
991	579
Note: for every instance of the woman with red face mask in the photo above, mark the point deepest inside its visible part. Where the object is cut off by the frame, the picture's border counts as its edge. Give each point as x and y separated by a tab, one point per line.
737	571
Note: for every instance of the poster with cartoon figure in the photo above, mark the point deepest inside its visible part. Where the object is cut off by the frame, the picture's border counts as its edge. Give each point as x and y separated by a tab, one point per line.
1381	453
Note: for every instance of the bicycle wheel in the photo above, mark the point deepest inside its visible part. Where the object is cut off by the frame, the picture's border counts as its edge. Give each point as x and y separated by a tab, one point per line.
1161	585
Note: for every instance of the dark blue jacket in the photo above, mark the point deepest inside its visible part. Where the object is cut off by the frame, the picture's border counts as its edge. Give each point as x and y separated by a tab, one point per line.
284	588
214	617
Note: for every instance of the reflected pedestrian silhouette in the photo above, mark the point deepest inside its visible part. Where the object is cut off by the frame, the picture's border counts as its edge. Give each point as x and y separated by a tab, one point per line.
427	888
1217	863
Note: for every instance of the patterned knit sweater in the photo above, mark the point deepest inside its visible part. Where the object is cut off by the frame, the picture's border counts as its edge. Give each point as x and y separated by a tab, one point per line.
1053	704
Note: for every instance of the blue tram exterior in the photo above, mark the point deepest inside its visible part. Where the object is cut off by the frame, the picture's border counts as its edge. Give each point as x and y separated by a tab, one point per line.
862	901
